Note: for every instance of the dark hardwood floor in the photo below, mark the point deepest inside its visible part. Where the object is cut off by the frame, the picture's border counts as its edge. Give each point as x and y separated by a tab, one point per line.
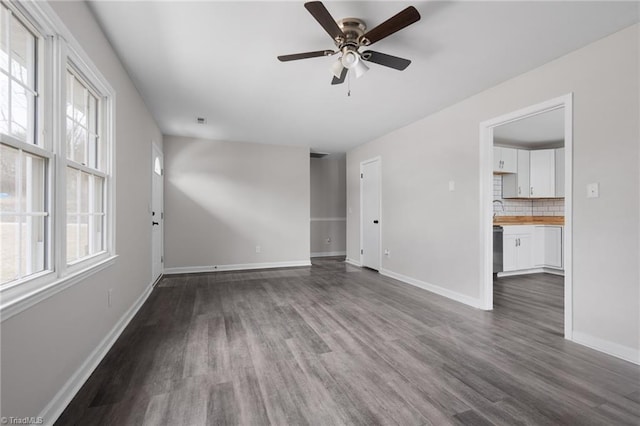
334	344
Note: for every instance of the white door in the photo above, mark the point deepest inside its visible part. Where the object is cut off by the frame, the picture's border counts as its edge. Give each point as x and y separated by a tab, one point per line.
370	214
157	212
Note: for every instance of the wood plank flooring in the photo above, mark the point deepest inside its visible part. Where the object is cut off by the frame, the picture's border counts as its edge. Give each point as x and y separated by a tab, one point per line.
337	345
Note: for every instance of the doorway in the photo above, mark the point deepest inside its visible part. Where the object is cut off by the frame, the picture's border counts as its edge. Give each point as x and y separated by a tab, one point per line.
370	231
489	161
157	213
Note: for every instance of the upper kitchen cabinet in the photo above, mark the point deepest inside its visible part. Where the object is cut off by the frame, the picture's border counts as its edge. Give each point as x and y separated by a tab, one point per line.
542	173
505	160
560	172
517	185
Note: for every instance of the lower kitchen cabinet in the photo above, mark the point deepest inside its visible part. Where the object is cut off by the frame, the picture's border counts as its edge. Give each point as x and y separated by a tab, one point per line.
517	247
527	247
548	246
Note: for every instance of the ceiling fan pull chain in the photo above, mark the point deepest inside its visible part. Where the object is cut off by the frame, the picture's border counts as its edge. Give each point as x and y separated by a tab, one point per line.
348	84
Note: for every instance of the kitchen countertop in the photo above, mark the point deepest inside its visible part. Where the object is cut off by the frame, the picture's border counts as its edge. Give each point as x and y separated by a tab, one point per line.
528	220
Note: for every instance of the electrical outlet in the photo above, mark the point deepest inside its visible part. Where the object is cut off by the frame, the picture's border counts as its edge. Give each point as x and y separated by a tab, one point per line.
452	185
258	249
328	241
109	297
387	253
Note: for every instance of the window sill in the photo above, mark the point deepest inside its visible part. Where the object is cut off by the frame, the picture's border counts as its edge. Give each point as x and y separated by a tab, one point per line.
18	298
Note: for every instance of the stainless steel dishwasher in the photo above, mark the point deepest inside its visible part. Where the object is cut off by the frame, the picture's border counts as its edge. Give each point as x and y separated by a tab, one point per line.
497	249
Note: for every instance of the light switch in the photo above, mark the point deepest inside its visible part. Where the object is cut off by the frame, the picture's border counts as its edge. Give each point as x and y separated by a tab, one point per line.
593	190
452	185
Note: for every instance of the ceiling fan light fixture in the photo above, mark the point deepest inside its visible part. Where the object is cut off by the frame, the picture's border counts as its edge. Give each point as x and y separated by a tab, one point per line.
349	59
360	68
337	67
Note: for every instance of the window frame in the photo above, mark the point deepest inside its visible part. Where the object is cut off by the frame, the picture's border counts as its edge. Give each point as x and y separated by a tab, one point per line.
76	65
57	50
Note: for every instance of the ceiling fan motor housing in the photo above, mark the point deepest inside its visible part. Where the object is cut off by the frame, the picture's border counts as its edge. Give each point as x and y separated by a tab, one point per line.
353	29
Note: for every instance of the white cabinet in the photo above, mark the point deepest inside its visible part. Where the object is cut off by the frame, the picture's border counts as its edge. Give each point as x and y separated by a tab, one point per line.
542	173
547	242
517	185
531	246
559	172
505	160
517	247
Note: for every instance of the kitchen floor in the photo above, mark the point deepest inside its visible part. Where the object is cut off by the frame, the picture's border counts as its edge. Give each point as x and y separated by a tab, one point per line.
534	299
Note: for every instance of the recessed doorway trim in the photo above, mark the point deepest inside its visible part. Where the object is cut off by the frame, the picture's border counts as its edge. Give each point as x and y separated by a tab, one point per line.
486	197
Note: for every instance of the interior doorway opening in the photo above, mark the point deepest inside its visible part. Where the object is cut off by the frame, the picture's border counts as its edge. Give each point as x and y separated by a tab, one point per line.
526	210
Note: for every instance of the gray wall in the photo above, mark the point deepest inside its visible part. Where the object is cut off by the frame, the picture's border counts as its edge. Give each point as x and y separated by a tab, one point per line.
222	199
43	346
434	235
328	205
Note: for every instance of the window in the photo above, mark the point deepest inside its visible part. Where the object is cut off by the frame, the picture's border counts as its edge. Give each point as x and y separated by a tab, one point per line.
157	167
18	77
85	179
56	181
24	218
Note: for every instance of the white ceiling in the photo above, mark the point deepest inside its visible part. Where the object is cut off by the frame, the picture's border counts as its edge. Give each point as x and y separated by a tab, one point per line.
218	60
536	131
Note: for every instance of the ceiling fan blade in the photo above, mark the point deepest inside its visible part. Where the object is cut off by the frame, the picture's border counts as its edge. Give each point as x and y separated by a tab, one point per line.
305	55
397	22
386	60
340	80
324	18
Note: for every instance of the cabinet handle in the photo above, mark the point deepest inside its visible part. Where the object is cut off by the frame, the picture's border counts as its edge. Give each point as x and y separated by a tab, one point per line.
519	190
531	191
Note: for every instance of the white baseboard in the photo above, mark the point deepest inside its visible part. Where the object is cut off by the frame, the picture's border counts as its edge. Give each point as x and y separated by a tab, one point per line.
531	271
329	253
353	262
553	271
56	406
237	267
610	348
458	297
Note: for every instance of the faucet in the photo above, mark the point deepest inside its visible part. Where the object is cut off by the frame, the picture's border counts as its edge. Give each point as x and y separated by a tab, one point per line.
501	205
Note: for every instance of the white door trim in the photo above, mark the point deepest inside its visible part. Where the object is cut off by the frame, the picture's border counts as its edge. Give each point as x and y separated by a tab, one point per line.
486	197
362	164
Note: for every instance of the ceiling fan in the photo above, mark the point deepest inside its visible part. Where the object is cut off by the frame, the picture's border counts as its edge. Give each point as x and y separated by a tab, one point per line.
349	35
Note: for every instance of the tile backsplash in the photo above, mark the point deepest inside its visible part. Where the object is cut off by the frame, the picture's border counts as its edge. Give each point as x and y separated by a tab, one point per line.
513	207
